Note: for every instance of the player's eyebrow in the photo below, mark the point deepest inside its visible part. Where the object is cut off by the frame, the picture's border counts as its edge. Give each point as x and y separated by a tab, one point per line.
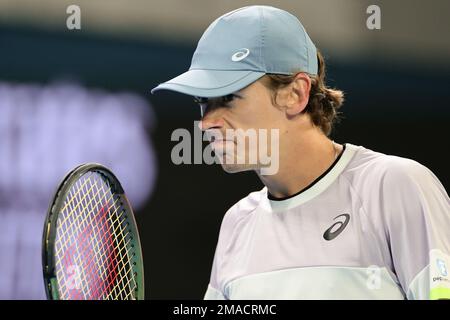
223	99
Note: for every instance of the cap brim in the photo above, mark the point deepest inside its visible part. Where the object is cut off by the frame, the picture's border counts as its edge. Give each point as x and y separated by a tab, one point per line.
210	83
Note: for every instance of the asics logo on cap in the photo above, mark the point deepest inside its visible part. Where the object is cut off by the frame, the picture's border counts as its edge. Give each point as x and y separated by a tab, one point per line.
242	54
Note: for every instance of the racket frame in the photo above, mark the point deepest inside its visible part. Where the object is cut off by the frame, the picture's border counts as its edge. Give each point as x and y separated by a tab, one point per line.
50	227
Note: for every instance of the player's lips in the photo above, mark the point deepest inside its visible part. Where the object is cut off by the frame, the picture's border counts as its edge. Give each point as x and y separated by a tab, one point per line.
217	141
213	139
220	142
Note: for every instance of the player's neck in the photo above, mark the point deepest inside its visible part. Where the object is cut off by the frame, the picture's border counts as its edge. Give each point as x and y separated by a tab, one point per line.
303	158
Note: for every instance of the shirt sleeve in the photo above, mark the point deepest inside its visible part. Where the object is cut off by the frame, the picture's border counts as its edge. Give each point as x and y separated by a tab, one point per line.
213	294
417	212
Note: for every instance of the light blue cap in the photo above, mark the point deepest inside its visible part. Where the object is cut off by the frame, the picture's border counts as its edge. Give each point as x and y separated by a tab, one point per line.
240	47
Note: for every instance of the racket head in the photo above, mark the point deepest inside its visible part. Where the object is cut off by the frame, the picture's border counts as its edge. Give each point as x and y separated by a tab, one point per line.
90	246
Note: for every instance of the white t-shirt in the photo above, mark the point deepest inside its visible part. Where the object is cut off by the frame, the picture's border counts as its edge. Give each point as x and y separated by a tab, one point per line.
373	226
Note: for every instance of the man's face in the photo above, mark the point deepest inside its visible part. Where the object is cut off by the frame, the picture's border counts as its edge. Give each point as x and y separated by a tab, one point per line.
243	128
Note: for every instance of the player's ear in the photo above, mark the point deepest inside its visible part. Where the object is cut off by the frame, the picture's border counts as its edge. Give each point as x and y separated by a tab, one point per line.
298	94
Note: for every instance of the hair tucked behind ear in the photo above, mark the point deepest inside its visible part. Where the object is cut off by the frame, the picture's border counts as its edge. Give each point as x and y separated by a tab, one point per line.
324	102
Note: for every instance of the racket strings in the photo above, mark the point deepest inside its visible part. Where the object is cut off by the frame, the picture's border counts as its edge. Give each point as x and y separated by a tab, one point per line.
80	241
70	220
113	258
126	279
89	267
106	250
124	257
93	237
119	283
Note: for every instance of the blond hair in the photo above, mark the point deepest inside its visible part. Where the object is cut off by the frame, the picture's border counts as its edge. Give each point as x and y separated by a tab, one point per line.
324	102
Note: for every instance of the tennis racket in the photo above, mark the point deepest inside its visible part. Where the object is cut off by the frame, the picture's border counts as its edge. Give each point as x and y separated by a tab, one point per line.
91	248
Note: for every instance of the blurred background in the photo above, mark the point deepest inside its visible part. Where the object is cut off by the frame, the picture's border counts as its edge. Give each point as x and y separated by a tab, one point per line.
72	96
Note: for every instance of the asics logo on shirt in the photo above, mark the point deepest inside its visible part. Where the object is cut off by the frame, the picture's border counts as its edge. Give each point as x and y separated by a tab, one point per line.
330	234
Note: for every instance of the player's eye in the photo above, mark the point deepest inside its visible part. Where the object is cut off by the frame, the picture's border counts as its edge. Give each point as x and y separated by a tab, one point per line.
228	98
206	103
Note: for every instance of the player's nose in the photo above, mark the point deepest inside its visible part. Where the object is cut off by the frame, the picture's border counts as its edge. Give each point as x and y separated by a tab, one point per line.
211	120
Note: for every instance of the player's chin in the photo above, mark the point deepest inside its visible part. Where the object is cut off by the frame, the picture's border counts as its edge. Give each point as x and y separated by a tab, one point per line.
234	168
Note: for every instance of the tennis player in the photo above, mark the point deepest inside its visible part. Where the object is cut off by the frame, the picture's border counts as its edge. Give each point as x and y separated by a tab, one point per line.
336	221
